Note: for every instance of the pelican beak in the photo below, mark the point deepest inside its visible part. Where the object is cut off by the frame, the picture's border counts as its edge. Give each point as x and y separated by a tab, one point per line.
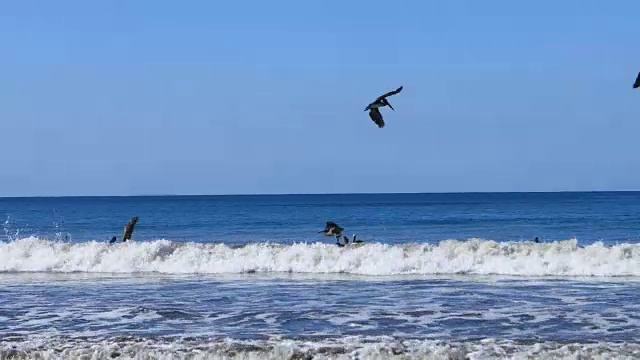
388	103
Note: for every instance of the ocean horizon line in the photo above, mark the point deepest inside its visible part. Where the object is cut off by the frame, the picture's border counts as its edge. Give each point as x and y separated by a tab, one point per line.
325	194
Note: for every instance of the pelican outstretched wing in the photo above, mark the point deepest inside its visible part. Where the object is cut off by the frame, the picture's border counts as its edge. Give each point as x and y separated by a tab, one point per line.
390	93
128	229
637	83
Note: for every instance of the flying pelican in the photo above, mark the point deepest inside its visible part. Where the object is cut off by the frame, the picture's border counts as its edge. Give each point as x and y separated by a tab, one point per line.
637	83
381	101
332	229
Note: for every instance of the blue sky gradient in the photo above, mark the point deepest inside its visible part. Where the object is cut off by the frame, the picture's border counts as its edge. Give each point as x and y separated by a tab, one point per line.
202	97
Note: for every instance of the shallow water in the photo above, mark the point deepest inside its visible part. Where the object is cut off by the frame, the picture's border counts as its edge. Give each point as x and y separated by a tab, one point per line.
258	307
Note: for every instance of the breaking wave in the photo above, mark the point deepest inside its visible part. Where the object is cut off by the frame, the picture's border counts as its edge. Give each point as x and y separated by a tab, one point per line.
475	256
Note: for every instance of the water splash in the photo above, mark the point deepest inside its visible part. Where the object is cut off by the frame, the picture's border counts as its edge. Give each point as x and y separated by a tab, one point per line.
11	229
59	229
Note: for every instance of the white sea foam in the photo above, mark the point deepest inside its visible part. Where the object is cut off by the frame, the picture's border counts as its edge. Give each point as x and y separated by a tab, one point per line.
344	348
475	256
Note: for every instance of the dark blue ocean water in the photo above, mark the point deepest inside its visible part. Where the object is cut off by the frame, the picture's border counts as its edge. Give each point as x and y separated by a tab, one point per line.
390	218
441	275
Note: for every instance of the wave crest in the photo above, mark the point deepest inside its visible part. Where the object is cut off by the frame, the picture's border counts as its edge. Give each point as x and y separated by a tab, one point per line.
475	256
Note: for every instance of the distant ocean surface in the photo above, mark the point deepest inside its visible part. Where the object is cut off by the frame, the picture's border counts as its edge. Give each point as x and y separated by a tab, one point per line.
451	276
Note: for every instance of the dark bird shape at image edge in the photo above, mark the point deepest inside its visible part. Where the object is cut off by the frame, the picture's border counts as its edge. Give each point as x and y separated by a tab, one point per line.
381	101
636	84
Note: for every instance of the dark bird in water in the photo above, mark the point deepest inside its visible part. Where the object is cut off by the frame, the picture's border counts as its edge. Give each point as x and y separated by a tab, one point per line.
113	239
332	229
381	101
344	239
637	83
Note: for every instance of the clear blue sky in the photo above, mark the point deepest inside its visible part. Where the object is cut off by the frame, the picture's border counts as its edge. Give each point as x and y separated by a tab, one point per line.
210	97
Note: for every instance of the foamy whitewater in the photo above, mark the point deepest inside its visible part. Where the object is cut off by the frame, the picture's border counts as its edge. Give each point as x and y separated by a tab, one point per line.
475	256
349	348
440	276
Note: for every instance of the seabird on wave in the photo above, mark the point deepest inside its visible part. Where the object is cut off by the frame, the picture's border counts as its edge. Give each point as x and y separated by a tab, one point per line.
345	240
381	101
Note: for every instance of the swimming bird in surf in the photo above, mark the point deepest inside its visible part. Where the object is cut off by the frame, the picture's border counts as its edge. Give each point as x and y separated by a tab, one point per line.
355	240
345	240
381	101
